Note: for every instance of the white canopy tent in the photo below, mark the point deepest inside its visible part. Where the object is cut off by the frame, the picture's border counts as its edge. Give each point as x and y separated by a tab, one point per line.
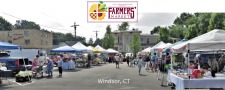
82	47
146	50
110	50
161	46
100	48
153	49
213	40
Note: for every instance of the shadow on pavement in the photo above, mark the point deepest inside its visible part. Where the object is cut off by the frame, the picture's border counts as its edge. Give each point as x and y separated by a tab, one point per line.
142	75
4	87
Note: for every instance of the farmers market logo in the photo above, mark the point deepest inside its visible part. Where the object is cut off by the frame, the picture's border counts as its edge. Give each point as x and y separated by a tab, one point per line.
112	11
98	11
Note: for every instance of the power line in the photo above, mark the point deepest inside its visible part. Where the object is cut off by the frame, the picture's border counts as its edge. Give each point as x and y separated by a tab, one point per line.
38	24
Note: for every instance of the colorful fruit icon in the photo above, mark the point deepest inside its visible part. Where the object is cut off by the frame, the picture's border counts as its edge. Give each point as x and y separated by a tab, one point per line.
98	11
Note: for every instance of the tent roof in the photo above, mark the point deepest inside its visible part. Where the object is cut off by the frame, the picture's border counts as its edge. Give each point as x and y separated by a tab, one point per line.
94	49
82	47
146	50
5	45
214	39
158	44
65	49
110	50
167	49
100	48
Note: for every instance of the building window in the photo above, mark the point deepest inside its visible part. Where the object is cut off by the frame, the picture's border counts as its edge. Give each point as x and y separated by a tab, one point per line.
41	34
26	33
46	42
9	34
10	41
46	35
141	40
116	48
130	38
27	41
148	40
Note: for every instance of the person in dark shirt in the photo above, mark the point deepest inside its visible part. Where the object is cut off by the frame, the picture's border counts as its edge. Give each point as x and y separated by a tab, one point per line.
147	60
128	60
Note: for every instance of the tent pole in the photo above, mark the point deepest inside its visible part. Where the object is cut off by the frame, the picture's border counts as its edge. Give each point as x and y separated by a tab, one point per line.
189	71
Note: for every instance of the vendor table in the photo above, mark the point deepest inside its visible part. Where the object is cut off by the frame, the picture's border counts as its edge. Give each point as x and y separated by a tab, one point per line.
181	84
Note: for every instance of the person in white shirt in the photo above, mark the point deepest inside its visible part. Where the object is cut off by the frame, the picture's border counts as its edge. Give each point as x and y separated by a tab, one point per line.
117	58
60	62
207	73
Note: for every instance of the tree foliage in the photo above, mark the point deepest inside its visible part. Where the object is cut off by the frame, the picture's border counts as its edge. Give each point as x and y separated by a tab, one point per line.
164	35
135	44
61	37
124	26
5	25
188	25
108	40
24	24
98	42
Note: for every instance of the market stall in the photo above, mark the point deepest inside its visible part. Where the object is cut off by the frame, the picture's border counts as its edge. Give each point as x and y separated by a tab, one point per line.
181	81
211	41
4	72
66	62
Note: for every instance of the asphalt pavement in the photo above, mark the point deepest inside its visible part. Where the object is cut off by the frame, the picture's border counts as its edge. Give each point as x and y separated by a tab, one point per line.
103	77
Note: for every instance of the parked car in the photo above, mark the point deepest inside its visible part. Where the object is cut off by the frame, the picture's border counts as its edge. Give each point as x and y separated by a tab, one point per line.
16	64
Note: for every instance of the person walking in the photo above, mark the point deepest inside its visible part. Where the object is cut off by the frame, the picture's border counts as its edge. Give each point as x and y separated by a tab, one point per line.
154	62
89	61
147	59
49	67
128	60
117	58
139	63
60	62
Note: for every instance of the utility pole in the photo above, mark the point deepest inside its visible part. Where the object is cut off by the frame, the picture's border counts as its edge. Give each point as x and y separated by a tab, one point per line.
75	28
96	34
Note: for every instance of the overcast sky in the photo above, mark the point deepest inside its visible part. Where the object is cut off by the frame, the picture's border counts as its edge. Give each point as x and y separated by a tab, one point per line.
61	14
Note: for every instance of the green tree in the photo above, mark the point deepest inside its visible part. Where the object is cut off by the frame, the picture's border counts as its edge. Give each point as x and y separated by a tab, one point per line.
216	21
203	19
156	29
108	40
135	44
5	25
177	31
124	26
23	24
164	35
98	42
182	20
68	37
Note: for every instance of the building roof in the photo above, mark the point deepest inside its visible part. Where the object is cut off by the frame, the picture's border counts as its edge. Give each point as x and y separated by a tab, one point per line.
117	31
149	34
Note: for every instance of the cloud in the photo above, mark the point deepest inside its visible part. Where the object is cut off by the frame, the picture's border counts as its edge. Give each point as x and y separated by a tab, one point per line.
156	19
